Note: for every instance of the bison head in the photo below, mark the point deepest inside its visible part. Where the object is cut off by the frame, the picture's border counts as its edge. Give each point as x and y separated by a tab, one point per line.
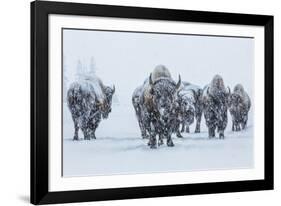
218	92
186	110
163	92
235	100
106	104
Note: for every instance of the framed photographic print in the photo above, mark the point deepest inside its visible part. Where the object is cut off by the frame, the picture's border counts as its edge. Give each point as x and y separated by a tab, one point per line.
131	102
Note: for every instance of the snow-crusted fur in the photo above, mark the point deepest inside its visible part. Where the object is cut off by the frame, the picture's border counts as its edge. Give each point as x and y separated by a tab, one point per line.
157	103
159	72
190	105
215	97
88	101
138	108
239	106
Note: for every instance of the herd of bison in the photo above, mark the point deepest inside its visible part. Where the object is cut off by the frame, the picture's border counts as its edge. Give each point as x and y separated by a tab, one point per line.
163	106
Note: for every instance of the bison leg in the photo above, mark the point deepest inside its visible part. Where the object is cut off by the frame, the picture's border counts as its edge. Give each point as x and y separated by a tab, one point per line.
85	127
221	134
152	142
183	128
178	133
237	126
160	140
92	133
211	132
233	127
198	122
76	127
169	141
244	123
221	128
187	129
143	130
143	134
94	126
86	134
152	136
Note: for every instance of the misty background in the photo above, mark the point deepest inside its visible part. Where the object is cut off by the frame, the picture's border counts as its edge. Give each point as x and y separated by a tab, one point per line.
126	59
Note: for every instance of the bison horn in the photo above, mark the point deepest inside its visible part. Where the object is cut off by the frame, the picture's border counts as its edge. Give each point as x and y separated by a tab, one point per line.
229	91
113	88
208	90
194	92
179	82
150	79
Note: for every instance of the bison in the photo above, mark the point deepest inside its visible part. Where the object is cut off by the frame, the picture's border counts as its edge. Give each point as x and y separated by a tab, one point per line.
138	108
239	106
190	106
215	98
157	103
89	101
184	110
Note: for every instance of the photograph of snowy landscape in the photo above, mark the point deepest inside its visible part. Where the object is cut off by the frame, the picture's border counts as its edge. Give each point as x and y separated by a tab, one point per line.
136	102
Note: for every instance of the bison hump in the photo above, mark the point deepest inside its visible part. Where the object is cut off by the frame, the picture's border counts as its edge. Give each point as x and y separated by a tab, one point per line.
159	72
92	88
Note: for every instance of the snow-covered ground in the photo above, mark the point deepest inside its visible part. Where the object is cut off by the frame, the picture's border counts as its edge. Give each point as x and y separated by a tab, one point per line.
119	149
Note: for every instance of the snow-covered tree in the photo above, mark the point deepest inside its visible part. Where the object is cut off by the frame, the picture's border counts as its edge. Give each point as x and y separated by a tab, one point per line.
92	68
80	70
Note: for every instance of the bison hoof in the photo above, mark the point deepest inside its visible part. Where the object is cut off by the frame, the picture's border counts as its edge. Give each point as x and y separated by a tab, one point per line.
160	142
151	143
87	138
170	143
144	136
197	131
179	135
75	138
153	146
221	136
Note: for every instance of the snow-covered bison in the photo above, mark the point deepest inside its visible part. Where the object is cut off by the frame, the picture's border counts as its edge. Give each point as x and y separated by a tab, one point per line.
157	104
89	100
138	108
215	97
239	106
189	103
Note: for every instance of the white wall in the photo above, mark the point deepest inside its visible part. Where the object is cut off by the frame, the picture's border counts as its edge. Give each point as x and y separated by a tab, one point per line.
14	103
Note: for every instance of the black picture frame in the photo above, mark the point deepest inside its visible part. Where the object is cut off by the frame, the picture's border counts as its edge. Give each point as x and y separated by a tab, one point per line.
39	102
